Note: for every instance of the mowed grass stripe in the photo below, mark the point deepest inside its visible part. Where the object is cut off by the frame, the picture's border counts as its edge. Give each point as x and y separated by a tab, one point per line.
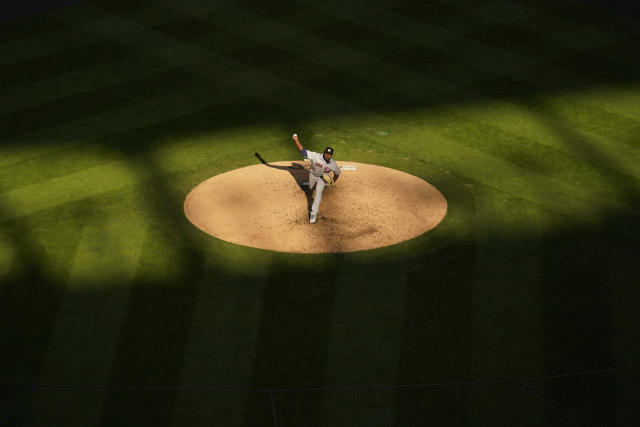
623	100
17	50
62	34
586	48
275	37
254	35
78	159
87	104
152	341
69	188
518	62
131	115
32	288
295	327
522	121
222	336
128	173
90	130
514	59
164	113
350	72
58	36
80	80
540	43
507	298
241	82
574	22
139	37
560	198
588	118
62	62
280	62
618	129
53	164
27	152
360	309
92	312
507	295
257	57
166	44
576	169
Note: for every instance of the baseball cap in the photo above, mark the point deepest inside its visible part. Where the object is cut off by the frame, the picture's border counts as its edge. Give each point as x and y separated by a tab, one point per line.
329	150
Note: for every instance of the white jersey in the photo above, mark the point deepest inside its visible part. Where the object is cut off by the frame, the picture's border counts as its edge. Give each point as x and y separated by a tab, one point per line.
319	166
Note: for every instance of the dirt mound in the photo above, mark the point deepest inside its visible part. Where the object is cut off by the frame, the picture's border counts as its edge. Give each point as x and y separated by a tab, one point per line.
266	206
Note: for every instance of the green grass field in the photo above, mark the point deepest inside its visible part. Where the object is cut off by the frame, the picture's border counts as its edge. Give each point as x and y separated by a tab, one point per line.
525	115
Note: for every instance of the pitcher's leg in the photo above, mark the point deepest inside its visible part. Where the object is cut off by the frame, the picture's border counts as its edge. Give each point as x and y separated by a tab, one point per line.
318	197
312	183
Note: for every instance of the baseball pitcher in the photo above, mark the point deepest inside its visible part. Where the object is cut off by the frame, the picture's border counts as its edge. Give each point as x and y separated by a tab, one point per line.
319	174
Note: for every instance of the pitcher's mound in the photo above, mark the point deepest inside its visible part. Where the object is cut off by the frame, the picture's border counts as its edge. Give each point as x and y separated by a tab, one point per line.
266	206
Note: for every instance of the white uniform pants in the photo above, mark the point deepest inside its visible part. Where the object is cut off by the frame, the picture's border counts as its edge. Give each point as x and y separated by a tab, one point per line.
319	183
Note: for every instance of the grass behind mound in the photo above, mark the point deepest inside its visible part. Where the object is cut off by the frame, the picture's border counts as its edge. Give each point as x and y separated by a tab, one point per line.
525	116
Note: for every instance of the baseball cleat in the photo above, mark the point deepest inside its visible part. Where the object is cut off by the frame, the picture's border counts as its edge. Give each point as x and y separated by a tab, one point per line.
312	219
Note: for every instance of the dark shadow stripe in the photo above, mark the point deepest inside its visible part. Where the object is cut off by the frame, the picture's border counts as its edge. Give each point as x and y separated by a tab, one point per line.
293	339
368	81
215	117
30	295
578	318
155	332
102	100
62	61
580	31
437	339
592	65
535	37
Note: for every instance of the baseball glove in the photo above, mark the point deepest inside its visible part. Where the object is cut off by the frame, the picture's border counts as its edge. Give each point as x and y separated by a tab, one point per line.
327	179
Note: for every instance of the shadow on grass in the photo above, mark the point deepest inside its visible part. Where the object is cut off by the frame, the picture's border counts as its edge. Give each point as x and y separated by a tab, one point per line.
587	279
248	81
